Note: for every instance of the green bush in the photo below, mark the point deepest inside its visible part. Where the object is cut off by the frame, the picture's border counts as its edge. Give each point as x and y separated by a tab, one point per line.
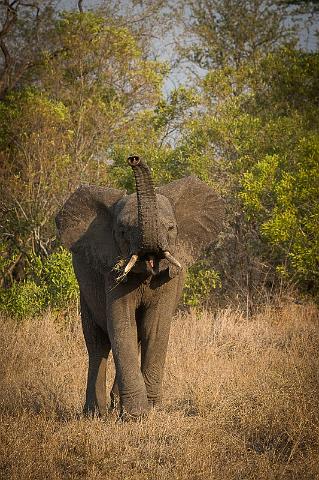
50	283
23	299
200	282
280	193
59	279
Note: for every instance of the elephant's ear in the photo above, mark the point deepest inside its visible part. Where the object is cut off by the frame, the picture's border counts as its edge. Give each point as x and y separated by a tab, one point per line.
199	213
85	223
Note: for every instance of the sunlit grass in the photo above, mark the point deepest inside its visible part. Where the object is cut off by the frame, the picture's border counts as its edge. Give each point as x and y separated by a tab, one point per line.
241	401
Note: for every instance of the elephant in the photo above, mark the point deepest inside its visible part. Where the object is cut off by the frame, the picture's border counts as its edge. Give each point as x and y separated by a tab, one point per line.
130	254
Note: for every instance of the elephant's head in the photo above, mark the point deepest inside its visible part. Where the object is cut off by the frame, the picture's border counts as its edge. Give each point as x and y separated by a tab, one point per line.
145	227
146	232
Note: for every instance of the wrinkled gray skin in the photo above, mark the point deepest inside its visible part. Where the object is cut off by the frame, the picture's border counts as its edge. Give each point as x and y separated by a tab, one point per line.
103	227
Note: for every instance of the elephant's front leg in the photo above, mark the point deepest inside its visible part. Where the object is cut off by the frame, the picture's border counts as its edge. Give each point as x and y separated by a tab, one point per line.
123	335
154	330
98	346
155	335
114	394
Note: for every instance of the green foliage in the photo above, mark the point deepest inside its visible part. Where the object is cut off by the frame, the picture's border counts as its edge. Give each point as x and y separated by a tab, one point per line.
200	282
23	299
51	283
59	279
283	194
258	141
228	33
35	145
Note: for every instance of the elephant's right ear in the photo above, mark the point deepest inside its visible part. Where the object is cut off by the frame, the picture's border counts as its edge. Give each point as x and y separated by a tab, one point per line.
199	213
85	222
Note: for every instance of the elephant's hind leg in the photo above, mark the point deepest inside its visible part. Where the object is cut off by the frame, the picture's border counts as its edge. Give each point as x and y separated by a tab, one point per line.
98	346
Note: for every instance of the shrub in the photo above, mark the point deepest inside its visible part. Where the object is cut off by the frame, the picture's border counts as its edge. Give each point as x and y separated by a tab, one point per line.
200	281
23	299
59	278
50	282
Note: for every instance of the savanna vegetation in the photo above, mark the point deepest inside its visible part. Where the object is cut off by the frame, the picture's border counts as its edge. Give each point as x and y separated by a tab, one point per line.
241	401
82	88
226	90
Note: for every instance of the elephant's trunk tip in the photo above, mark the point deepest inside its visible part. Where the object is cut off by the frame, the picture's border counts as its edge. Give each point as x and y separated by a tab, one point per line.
133	160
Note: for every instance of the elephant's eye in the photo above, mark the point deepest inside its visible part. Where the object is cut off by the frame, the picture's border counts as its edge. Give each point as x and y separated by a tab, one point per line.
171	227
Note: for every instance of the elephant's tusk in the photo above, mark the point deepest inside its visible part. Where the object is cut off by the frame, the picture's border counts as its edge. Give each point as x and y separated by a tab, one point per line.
130	264
171	259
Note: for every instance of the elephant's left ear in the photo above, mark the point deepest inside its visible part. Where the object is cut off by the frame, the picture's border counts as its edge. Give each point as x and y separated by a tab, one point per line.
199	212
85	224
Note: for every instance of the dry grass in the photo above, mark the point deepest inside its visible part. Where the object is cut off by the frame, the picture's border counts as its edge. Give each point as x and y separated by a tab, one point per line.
241	402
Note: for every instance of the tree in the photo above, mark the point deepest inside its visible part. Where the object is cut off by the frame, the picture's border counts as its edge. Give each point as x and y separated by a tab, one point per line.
23	35
260	148
61	128
304	6
228	33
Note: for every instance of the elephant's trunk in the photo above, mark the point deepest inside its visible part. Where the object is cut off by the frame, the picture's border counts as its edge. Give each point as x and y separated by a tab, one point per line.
146	204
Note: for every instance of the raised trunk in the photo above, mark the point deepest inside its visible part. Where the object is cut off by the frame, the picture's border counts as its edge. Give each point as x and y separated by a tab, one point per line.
146	204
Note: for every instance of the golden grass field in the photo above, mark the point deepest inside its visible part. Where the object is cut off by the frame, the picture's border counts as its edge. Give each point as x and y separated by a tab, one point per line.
241	400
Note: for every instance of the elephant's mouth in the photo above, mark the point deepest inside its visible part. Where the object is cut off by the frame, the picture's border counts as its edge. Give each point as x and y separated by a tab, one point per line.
151	262
144	263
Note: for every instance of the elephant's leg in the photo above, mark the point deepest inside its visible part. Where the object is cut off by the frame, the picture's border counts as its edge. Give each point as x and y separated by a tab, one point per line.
154	330
115	394
98	346
123	335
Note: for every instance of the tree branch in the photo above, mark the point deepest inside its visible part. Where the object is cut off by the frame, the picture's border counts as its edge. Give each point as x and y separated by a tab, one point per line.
11	17
6	54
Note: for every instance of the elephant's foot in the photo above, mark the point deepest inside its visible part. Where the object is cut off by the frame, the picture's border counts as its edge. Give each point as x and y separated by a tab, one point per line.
129	417
154	395
91	412
134	409
155	402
